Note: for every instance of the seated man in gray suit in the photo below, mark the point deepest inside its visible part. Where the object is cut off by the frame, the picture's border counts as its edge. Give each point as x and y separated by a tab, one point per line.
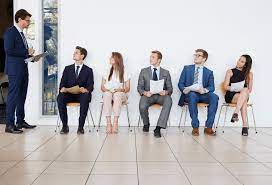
155	72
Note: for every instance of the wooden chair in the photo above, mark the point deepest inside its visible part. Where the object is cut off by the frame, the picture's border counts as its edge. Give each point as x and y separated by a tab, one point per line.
233	105
185	109
154	106
76	104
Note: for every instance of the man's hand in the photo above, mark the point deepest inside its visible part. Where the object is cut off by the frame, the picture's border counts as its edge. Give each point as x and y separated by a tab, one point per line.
186	90
83	90
31	51
201	90
63	90
163	93
147	94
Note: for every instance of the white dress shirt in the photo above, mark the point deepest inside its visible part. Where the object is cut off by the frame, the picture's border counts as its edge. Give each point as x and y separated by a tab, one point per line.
157	72
80	67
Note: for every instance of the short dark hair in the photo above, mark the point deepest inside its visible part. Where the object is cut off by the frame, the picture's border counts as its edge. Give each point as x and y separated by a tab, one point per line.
158	53
83	51
22	13
205	53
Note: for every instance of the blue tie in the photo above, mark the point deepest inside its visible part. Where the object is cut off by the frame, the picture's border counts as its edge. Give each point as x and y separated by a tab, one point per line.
24	40
155	77
77	71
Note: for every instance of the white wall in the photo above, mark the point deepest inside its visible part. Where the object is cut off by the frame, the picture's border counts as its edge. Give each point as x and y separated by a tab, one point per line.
226	29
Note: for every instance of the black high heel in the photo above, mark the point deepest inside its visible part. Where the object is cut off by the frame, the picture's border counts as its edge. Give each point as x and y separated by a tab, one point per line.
244	131
234	118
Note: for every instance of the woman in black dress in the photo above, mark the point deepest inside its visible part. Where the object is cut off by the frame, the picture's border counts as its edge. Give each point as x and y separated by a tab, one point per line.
242	72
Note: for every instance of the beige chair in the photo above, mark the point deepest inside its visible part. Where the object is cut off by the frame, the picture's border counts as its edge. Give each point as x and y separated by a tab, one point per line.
155	106
101	112
76	104
233	105
185	109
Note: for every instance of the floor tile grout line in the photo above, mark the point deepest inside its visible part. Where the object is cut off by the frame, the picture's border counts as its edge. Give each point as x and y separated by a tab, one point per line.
136	150
177	160
17	138
28	155
238	180
102	145
76	138
263	163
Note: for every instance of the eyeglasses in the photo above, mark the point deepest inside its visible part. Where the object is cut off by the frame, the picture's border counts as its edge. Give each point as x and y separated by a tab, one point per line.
27	20
197	55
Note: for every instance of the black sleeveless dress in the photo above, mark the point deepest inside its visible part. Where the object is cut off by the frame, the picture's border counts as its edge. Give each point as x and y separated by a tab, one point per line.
237	76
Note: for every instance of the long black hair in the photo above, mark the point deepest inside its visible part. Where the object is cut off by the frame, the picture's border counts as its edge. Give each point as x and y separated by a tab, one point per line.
247	67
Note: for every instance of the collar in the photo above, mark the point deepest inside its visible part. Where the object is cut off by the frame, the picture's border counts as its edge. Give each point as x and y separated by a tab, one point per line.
152	68
199	65
80	65
18	28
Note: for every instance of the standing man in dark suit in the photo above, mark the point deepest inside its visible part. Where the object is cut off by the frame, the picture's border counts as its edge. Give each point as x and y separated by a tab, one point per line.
155	72
73	75
17	50
196	84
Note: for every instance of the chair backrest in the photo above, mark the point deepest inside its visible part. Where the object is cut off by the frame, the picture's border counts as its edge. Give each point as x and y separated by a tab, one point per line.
73	104
222	88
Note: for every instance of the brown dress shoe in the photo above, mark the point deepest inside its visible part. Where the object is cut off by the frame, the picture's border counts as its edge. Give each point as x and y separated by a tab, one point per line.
209	131
195	132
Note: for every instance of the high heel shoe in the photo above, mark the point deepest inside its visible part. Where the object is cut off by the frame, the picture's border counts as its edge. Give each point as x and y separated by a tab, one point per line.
234	118
244	131
109	128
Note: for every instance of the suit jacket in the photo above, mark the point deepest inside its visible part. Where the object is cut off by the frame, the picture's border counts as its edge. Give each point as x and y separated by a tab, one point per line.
145	77
85	78
187	79
16	52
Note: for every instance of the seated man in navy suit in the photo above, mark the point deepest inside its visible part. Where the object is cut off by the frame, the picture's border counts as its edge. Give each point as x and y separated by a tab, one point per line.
196	84
73	75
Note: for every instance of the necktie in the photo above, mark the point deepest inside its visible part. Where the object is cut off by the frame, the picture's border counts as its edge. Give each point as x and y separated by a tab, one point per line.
77	71
196	75
155	77
24	40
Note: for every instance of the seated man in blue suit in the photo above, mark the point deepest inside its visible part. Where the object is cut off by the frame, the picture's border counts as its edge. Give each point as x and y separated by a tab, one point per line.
73	75
196	84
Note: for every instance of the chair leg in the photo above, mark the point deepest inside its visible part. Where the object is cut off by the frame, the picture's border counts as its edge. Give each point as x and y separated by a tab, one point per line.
2	95
169	122
100	116
58	124
89	126
218	118
225	119
254	121
139	120
181	115
128	116
186	111
92	117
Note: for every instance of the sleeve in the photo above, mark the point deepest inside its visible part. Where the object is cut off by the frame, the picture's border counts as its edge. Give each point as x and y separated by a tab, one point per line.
210	86
141	83
63	79
182	79
90	82
10	49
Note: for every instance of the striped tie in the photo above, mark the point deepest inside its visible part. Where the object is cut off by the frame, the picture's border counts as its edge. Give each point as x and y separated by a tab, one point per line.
196	75
24	40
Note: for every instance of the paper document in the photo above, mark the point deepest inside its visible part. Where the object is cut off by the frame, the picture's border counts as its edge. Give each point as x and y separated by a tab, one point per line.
74	90
194	87
112	85
156	86
36	58
237	87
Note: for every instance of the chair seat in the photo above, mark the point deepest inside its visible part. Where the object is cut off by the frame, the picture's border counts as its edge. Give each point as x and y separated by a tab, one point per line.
234	104
73	104
200	104
156	106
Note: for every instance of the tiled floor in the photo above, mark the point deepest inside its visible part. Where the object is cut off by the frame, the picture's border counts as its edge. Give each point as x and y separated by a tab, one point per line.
42	157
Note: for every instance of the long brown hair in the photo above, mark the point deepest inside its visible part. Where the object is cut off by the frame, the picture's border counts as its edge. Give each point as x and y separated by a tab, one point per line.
118	66
247	67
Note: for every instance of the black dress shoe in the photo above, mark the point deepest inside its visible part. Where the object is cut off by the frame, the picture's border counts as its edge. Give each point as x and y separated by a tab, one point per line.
25	125
13	130
244	131
157	133
80	131
146	128
234	118
64	130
